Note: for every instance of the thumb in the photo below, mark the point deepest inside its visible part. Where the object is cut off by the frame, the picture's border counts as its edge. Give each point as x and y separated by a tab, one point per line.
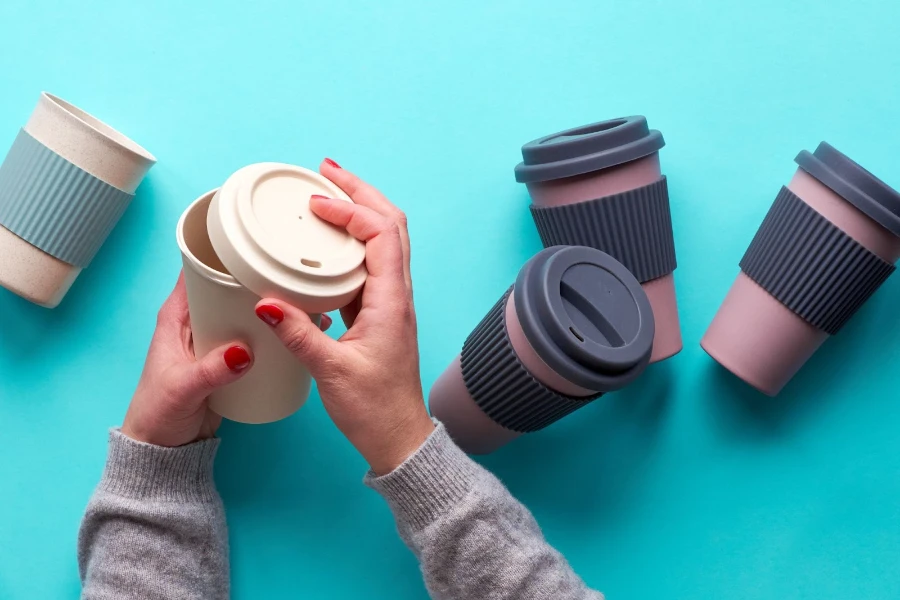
219	367
297	331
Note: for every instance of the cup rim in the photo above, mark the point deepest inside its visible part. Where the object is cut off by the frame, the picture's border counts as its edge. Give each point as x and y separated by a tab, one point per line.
100	127
201	267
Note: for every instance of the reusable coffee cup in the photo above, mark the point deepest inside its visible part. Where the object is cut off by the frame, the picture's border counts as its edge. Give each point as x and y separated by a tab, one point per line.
601	186
257	237
827	243
65	182
575	324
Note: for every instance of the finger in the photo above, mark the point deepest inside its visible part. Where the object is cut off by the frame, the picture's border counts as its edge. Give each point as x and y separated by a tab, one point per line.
361	222
384	249
325	322
359	191
367	195
299	334
219	367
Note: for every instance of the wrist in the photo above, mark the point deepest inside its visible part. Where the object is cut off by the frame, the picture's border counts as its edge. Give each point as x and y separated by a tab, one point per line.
436	477
387	451
137	433
136	469
167	435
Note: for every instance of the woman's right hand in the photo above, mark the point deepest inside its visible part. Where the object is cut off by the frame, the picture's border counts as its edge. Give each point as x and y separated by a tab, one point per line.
368	379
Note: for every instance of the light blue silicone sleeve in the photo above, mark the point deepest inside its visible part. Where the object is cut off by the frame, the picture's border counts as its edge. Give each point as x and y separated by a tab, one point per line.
55	205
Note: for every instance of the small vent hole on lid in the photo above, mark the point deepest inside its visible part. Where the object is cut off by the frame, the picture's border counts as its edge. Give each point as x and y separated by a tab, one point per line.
310	263
576	334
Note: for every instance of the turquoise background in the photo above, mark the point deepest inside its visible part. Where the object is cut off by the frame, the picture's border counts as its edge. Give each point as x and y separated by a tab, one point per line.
687	485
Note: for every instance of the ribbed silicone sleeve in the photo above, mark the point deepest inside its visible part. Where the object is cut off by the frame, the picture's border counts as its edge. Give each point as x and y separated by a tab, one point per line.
501	385
55	205
634	227
810	265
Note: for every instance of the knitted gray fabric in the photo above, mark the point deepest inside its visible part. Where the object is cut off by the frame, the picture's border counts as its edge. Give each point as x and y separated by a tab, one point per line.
155	527
472	538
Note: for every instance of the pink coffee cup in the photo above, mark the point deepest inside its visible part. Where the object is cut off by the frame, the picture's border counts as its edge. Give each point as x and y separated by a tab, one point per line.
576	324
601	186
826	245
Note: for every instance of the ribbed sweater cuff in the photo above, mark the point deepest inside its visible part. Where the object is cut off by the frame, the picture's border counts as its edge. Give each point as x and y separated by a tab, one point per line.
428	483
147	472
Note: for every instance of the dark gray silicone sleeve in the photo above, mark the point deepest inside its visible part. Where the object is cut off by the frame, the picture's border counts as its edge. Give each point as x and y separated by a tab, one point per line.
55	205
501	385
812	267
634	227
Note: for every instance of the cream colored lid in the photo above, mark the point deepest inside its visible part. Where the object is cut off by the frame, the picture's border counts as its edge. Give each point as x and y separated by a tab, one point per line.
263	230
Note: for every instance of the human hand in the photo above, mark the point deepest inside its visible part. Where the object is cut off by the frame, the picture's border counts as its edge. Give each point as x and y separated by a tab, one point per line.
368	379
169	407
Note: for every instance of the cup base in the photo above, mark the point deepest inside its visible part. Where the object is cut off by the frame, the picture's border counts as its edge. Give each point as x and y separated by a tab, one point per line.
667	340
759	339
31	273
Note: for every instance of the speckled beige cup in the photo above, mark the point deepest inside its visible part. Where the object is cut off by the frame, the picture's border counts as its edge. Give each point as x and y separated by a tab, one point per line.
92	146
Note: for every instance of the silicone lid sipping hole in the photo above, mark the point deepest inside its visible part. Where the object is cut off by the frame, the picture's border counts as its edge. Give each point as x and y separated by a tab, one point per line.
585	315
275	192
265	233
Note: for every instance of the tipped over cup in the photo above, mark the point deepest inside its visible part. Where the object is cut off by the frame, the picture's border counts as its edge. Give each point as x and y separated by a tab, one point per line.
575	325
828	242
65	183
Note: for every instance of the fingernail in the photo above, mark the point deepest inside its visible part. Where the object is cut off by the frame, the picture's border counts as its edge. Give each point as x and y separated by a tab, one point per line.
332	163
318	197
326	322
271	314
237	359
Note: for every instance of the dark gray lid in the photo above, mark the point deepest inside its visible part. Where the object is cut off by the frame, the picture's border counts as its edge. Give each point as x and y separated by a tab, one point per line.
854	184
586	316
589	148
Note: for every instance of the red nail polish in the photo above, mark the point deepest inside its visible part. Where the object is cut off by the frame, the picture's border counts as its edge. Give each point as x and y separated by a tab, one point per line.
332	163
272	315
237	359
326	321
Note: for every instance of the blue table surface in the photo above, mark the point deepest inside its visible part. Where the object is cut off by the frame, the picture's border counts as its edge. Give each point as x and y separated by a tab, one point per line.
686	485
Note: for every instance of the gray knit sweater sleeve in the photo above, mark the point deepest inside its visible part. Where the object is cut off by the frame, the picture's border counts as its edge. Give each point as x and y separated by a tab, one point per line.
155	527
474	541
